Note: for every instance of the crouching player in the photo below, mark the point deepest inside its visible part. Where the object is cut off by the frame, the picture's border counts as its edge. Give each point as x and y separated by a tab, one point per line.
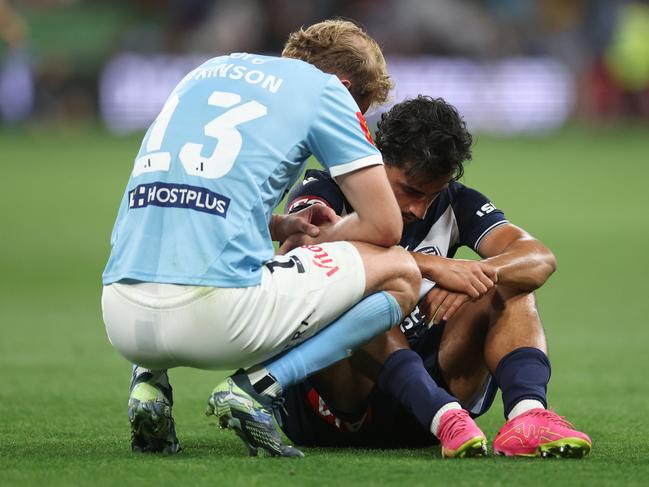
192	279
476	331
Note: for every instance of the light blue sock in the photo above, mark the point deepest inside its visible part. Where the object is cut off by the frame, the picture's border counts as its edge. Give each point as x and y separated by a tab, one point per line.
373	315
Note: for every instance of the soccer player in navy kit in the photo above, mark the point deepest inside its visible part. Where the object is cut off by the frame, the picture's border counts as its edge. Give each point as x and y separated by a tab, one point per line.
465	339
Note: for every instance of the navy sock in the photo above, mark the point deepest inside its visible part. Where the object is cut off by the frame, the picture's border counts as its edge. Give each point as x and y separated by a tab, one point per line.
523	374
404	377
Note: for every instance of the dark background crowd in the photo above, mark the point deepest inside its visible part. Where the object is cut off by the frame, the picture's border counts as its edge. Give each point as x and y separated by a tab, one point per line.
52	52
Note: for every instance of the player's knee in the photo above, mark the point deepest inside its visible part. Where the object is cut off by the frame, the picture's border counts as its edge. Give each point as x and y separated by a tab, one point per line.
511	298
519	307
407	282
413	280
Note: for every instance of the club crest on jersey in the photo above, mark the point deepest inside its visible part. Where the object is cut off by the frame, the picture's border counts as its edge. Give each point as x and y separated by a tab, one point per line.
322	259
430	250
364	127
168	195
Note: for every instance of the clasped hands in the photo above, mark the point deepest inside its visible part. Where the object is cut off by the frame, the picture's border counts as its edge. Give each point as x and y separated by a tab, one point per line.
302	227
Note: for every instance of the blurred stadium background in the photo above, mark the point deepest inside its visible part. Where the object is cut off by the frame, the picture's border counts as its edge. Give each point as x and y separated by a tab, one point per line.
511	66
557	93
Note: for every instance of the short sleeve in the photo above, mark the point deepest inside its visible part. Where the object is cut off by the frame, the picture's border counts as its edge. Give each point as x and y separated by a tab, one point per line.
476	216
339	137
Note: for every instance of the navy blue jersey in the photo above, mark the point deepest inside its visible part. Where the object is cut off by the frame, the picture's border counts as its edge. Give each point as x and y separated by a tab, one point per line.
459	216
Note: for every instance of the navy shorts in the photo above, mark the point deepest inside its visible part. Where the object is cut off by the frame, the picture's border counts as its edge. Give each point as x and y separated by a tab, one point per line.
309	421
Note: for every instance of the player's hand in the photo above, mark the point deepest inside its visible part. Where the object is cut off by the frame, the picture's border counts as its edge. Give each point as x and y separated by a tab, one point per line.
294	241
441	304
306	221
305	226
470	277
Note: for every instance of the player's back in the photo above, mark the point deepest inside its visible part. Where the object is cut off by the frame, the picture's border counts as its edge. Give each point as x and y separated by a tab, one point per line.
232	136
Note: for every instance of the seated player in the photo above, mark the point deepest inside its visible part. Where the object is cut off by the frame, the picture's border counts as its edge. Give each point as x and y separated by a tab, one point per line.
465	339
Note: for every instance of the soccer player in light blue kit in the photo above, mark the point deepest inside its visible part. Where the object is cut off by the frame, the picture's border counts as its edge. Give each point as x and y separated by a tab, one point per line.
192	279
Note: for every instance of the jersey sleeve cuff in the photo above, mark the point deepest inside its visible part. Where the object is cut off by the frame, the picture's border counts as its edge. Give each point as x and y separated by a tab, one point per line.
339	170
484	234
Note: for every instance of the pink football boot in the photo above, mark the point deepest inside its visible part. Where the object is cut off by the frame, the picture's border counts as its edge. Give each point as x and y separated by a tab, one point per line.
541	433
460	436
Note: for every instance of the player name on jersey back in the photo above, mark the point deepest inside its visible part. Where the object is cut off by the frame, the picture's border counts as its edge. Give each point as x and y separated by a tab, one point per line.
223	69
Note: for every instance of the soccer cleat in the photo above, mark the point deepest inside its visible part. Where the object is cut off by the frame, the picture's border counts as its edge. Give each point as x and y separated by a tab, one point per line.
152	426
460	436
250	415
541	433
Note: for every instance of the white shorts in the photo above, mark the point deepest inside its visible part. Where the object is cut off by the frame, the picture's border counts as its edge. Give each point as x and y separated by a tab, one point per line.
160	326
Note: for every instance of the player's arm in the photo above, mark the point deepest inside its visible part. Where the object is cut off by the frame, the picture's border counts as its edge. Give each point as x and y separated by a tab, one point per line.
360	187
511	257
470	277
306	221
367	187
376	218
520	260
340	140
456	281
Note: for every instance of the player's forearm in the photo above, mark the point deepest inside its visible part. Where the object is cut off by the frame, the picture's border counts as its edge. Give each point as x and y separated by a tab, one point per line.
272	226
428	265
283	226
354	228
377	218
526	264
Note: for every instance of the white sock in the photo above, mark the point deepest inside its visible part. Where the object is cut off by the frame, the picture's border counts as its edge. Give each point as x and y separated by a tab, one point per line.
524	406
157	376
256	373
273	388
434	425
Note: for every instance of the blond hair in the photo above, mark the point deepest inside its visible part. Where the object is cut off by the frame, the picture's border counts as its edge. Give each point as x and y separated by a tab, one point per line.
342	48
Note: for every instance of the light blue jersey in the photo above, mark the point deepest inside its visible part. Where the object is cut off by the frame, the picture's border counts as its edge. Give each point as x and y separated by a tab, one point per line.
232	137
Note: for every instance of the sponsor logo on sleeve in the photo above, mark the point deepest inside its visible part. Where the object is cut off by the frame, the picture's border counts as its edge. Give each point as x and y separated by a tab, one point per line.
485	209
364	127
168	195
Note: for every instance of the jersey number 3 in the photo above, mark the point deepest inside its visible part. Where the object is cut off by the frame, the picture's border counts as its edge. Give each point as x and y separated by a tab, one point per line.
223	128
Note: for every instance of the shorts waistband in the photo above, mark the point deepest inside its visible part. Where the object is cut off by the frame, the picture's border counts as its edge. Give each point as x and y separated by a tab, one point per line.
160	295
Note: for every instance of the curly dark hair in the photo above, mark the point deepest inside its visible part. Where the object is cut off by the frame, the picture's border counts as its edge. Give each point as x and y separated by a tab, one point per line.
426	137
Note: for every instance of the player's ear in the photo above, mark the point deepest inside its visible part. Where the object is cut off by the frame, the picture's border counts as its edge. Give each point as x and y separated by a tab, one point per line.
363	104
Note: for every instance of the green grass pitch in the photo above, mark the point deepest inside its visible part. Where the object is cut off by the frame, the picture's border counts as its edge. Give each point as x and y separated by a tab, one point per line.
63	389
